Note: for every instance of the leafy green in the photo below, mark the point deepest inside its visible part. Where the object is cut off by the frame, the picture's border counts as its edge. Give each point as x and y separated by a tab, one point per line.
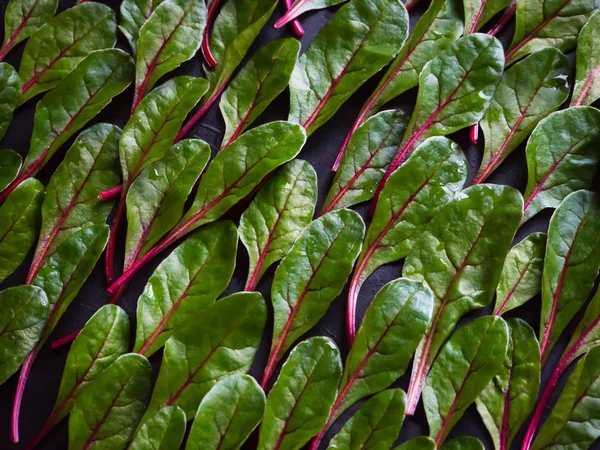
10	95
163	431
479	12
134	14
299	7
587	83
280	211
418	443
463	443
10	164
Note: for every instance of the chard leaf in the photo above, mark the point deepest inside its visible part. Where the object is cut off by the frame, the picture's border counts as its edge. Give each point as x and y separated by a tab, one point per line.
280	211
418	443
362	37
194	362
10	95
310	277
571	264
227	414
376	424
521	277
561	157
528	92
20	219
189	280
157	197
163	431
460	257
299	7
466	364
298	405
10	164
170	36
463	443
260	81
134	14
370	150
507	400
62	43
586	334
108	411
24	313
587	82
480	12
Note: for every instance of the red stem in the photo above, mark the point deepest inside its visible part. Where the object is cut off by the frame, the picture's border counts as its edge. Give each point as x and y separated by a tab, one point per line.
112	236
295	23
586	87
474	133
110	193
65	340
23	376
291	14
199	114
508	14
205	47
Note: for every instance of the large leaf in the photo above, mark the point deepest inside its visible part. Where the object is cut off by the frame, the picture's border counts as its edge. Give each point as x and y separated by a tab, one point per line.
587	82
561	157
20	220
506	402
460	257
479	12
10	95
189	280
227	414
362	37
280	211
528	92
62	43
134	14
163	431
108	411
10	164
298	405
466	364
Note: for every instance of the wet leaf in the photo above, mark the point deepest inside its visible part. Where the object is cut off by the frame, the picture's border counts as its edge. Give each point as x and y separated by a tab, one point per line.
587	83
22	18
10	95
163	431
134	14
10	164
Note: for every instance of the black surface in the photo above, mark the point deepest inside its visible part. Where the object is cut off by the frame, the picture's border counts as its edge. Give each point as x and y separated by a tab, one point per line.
320	151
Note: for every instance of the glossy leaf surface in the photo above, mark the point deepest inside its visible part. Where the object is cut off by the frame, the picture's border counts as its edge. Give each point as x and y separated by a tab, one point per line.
587	81
10	164
134	14
163	431
479	12
10	95
22	18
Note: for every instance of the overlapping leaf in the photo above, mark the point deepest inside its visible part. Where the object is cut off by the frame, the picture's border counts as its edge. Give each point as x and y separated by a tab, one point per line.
587	82
10	95
479	12
163	431
134	14
418	443
10	164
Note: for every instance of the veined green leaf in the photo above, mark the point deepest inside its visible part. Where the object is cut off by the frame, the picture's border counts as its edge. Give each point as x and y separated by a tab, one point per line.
463	443
10	95
587	82
418	443
299	7
10	164
480	12
163	431
134	14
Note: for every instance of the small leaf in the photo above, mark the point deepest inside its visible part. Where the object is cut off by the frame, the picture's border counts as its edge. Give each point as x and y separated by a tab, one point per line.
587	82
107	413
418	443
463	443
134	14
280	211
480	12
464	367
10	95
227	415
10	164
163	431
298	405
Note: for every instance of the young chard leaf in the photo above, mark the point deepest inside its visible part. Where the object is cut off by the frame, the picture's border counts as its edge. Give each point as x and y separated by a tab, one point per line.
480	12
227	415
460	256
362	37
463	443
432	176
375	425
189	280
280	211
20	220
10	95
108	411
298	405
260	81
464	367
528	92
310	277
163	431
521	277
418	443
10	164
299	7
587	82
134	14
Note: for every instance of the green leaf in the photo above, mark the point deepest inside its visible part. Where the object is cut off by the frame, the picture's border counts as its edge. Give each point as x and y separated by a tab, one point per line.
480	12
587	83
528	92
362	37
543	23
10	164
521	277
189	280
376	424
157	197
463	443
20	219
62	43
418	443
464	367
299	7
23	315
107	413
574	422
299	402
280	211
561	157
265	75
227	414
163	431
22	18
194	362
571	264
460	257
170	36
509	398
10	95
370	150
134	14
586	334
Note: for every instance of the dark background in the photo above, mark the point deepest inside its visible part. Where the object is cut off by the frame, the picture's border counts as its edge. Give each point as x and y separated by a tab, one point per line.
320	151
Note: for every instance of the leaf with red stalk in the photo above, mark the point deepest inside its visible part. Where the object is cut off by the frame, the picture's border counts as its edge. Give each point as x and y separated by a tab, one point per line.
76	100
170	36
59	46
460	256
455	89
265	75
10	164
134	14
362	37
587	79
392	327
480	12
10	95
432	176
310	277
111	193
504	19
283	207
571	264
298	7
164	430
212	7
22	18
528	92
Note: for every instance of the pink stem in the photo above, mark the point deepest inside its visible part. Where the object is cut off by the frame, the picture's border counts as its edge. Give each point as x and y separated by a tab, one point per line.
112	237
205	47
110	193
474	133
23	377
508	14
196	117
65	340
295	23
